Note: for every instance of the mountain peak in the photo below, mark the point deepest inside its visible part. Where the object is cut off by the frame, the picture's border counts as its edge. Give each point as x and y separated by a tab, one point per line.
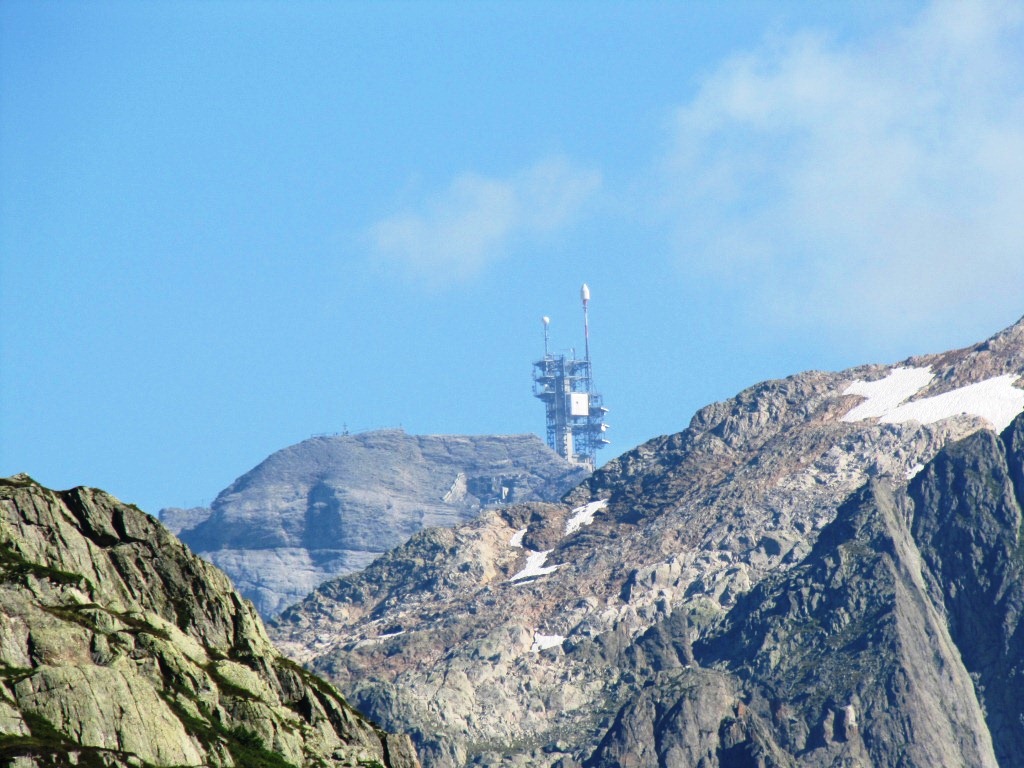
332	504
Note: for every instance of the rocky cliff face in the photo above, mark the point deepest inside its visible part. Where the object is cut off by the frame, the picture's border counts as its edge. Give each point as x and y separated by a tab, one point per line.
331	505
761	589
896	641
120	648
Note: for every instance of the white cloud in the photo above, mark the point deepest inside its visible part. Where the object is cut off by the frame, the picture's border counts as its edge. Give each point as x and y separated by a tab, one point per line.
874	185
476	220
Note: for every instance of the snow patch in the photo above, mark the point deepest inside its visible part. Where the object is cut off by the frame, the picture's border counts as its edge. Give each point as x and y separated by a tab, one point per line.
535	566
914	470
543	642
379	638
517	539
885	394
583	515
996	400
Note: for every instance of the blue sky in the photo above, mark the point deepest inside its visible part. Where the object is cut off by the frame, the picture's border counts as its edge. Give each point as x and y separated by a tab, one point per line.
225	227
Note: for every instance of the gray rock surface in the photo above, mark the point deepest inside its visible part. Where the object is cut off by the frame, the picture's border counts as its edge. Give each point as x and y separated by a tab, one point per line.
896	641
118	648
753	591
968	522
331	505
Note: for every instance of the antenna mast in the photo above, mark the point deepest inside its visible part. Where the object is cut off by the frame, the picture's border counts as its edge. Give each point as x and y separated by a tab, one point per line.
574	411
585	295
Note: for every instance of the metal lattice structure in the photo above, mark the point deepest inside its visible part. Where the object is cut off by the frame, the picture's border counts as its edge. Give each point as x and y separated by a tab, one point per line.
573	410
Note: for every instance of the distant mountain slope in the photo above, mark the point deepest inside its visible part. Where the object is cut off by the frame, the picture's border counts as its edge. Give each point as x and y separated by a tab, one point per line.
754	591
330	505
119	648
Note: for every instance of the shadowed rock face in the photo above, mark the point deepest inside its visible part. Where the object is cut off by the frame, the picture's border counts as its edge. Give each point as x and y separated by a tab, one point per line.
331	505
896	641
778	585
967	520
118	647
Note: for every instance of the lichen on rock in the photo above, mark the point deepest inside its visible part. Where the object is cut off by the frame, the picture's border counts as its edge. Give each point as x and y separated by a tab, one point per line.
118	647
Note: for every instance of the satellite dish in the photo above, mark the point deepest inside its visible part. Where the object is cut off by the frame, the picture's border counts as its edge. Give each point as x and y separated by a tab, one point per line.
546	320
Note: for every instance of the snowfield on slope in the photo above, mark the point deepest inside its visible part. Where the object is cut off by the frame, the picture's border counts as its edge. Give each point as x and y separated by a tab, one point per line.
996	400
884	395
535	560
543	642
535	566
583	515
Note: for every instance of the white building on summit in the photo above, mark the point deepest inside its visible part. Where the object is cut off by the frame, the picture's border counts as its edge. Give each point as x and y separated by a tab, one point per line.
574	411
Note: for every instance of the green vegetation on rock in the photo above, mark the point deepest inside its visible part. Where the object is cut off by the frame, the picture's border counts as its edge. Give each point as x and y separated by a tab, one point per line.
119	648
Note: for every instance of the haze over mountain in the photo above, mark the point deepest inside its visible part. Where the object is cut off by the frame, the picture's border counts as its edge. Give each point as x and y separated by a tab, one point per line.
820	571
331	505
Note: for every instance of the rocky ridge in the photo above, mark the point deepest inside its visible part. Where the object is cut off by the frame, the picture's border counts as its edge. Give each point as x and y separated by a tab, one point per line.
119	648
330	505
895	642
649	620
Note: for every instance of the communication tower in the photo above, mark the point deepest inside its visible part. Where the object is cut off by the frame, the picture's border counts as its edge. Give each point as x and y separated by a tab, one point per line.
575	412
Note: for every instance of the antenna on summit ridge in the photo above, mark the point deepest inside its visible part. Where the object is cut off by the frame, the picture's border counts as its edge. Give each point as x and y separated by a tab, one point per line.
573	410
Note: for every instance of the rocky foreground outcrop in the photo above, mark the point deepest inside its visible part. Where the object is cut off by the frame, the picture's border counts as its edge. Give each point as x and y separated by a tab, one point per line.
331	505
821	571
119	648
